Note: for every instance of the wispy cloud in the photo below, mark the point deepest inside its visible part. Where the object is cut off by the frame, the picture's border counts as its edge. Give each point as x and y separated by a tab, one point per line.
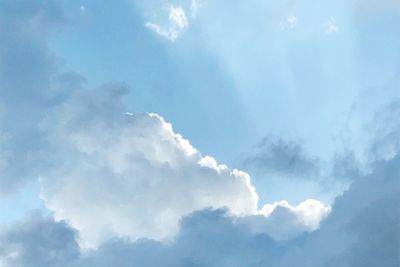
177	23
289	22
331	27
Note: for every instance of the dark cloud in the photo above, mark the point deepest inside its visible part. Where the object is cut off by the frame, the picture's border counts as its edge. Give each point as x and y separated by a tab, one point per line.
38	242
364	226
207	238
287	158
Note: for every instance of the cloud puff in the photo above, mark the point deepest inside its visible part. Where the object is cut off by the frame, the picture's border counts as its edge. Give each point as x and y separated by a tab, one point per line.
289	21
38	241
169	19
330	26
119	174
177	22
283	221
385	130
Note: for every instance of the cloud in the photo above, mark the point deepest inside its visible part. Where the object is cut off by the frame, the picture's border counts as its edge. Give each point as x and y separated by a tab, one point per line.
330	26
275	156
169	19
25	91
38	241
363	230
290	21
117	176
364	226
207	238
121	174
177	23
130	175
377	136
283	222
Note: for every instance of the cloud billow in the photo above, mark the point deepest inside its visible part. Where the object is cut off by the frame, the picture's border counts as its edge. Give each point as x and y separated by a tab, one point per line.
125	174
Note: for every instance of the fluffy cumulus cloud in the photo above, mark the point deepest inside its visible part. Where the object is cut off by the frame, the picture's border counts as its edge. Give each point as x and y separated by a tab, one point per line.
126	174
283	222
130	175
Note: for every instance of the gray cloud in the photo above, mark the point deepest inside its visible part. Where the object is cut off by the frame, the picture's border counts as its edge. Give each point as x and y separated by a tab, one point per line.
29	83
286	158
363	230
386	132
38	241
364	226
207	238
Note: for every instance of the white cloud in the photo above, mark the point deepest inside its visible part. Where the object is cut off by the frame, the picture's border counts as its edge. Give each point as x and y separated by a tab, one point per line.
177	23
292	20
289	22
131	174
122	174
283	222
331	27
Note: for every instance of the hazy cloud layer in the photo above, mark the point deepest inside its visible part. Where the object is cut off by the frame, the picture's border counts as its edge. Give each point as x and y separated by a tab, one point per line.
26	69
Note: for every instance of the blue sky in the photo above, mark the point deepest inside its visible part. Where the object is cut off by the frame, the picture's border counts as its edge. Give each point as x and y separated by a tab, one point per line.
130	125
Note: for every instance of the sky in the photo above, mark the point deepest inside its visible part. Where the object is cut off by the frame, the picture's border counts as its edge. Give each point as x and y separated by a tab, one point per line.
199	133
